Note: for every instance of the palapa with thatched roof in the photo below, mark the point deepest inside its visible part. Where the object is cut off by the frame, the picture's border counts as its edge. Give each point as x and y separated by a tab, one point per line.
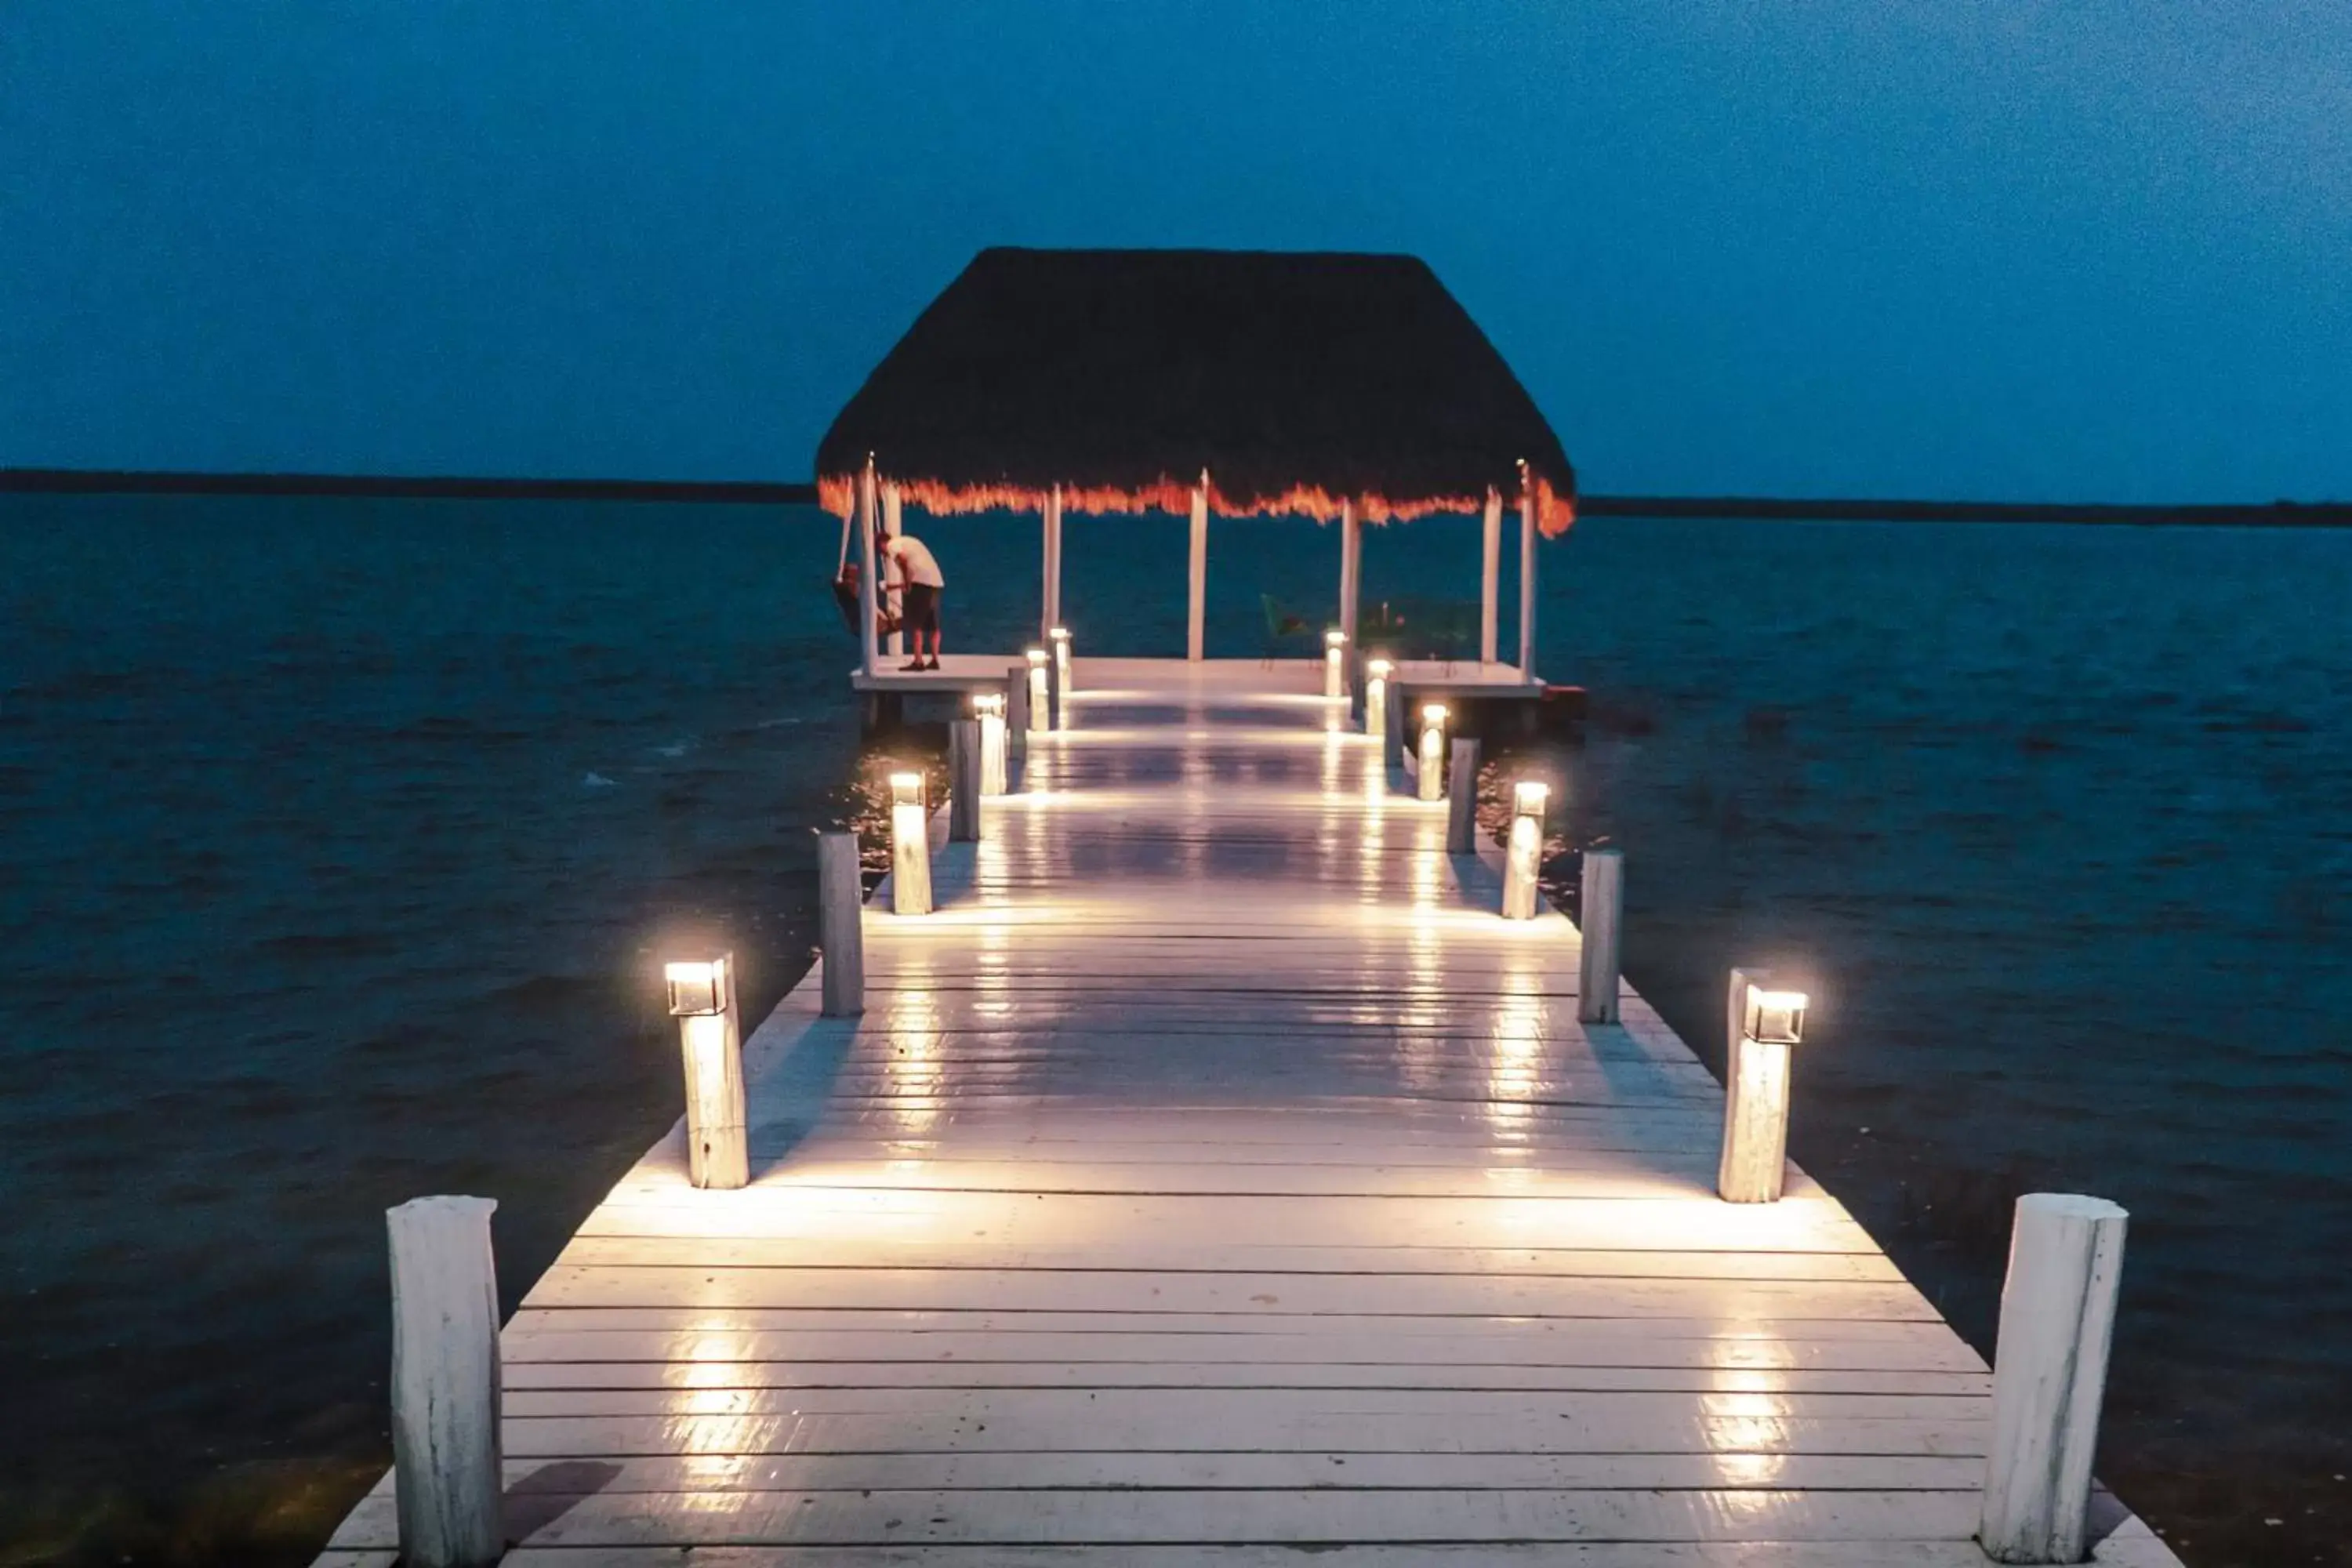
1337	386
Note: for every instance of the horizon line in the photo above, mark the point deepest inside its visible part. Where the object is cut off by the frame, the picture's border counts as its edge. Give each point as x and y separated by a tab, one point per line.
770	492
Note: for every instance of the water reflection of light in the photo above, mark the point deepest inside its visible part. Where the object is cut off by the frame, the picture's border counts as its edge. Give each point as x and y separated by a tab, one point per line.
909	1044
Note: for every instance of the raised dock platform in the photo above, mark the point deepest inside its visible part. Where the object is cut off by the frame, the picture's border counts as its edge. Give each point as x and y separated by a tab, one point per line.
1214	1177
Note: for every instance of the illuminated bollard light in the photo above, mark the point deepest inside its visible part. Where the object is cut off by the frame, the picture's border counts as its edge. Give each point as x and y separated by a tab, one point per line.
841	924
911	847
1602	906
1335	664
990	707
1764	1023
1059	637
1041	697
963	781
1376	697
1523	851
445	1383
1432	755
710	1039
2050	1376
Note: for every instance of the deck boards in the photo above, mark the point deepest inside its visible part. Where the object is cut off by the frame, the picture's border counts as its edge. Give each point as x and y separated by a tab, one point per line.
1214	1175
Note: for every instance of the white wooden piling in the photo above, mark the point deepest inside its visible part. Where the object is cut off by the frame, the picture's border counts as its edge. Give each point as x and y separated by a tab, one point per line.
1376	700
963	781
841	924
1351	570
1756	1102
1335	664
1528	575
911	847
1601	910
1197	573
1429	762
1392	734
1462	798
445	1383
1057	639
1523	849
1054	668
1017	711
711	1047
2050	1374
893	524
1051	597
1490	564
869	584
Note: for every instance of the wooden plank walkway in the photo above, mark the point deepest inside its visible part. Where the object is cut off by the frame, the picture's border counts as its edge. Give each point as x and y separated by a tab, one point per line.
1215	1175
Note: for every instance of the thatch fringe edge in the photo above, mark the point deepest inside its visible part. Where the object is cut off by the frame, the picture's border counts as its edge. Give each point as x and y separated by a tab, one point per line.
837	493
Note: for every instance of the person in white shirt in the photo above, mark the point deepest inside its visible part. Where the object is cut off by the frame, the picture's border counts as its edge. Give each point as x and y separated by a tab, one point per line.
910	567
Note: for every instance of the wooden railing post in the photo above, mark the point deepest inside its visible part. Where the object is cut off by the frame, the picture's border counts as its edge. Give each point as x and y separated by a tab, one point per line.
1602	906
445	1383
841	924
963	781
711	1043
911	847
1392	742
1462	798
1763	1025
2050	1376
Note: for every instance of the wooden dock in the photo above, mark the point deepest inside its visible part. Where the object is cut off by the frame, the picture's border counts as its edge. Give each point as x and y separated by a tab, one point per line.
1214	1175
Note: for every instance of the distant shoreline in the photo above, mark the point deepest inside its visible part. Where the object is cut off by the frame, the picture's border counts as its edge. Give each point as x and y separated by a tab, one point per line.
760	492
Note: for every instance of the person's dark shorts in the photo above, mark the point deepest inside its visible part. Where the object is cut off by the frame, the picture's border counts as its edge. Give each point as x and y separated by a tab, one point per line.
918	607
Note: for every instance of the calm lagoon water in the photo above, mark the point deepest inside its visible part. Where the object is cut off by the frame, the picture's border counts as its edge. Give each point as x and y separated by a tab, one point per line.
338	840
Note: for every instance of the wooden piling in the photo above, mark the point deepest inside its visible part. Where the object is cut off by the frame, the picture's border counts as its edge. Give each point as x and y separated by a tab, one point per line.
1602	909
840	924
445	1383
963	781
1462	798
1016	709
2050	1374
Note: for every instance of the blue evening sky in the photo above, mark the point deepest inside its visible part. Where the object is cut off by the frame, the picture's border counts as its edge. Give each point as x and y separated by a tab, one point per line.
2080	248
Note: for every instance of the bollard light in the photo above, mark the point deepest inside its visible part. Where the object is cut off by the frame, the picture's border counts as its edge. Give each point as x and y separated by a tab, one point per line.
988	708
1059	637
911	847
1376	696
1041	705
697	989
1775	1017
1767	1023
1524	851
710	1041
1432	766
1334	656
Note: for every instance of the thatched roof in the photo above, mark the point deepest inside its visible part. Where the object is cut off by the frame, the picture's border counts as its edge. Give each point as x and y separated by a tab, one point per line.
1297	381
